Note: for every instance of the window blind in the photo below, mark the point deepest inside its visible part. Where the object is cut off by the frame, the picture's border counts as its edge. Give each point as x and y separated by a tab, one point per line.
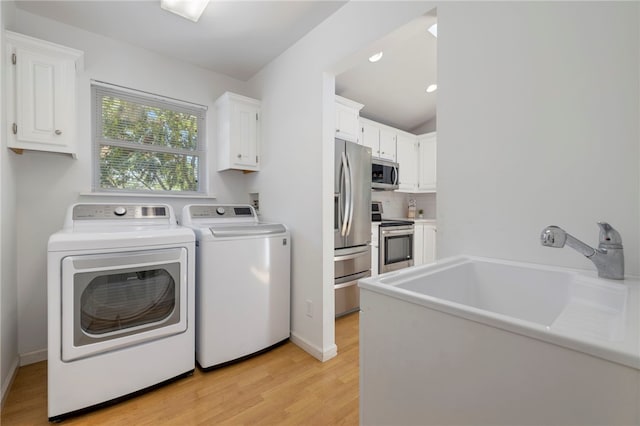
147	143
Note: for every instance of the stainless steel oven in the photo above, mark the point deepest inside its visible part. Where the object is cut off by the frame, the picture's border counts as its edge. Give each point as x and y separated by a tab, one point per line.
396	245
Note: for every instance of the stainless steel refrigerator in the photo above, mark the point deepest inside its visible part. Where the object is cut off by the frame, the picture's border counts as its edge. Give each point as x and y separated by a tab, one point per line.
352	223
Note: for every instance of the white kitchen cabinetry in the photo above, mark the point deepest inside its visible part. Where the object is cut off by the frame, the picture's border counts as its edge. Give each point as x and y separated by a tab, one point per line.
348	119
380	138
417	162
408	162
427	155
41	94
375	248
424	243
238	142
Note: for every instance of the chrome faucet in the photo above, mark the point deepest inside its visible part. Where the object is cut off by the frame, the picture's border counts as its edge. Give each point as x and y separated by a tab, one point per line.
608	257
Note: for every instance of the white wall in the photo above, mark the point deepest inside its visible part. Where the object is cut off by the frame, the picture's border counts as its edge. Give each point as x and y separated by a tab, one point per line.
296	185
48	183
537	125
8	285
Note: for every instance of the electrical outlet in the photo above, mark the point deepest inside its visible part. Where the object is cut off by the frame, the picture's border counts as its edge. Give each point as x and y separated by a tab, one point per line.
309	308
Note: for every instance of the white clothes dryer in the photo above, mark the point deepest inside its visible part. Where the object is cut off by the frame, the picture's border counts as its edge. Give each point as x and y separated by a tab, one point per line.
243	283
121	285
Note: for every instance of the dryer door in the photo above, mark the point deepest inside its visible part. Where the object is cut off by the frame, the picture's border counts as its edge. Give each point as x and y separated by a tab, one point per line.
114	300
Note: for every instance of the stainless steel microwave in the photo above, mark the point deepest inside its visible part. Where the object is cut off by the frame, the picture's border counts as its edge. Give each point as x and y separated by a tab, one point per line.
384	174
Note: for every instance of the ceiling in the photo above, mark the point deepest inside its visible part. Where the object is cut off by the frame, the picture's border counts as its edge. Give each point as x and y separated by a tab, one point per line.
393	90
238	38
235	38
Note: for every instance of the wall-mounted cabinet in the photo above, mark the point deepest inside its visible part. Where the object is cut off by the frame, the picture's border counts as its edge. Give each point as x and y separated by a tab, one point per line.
417	160
427	166
238	139
41	94
424	243
380	138
348	119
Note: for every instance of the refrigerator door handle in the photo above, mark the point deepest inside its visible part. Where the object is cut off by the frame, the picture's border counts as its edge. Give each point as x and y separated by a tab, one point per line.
345	184
351	196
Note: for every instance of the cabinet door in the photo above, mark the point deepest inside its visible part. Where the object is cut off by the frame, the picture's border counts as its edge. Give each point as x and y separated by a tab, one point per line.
347	123
387	144
418	244
244	134
427	155
429	247
41	95
407	153
371	137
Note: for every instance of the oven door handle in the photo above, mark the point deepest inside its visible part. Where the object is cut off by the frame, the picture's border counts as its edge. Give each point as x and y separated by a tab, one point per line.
397	233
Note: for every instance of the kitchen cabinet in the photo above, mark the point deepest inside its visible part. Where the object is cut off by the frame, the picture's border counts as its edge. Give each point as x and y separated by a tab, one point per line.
424	243
348	119
375	248
417	162
41	95
427	168
238	141
407	148
380	138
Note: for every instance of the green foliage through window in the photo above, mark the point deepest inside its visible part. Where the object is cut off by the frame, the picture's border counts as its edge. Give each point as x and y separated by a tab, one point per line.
147	144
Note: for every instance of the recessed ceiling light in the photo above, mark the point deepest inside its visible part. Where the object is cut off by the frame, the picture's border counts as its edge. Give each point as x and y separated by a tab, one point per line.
434	30
189	9
376	57
432	88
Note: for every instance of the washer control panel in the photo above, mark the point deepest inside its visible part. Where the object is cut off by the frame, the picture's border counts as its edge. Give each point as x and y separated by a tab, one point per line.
115	211
221	212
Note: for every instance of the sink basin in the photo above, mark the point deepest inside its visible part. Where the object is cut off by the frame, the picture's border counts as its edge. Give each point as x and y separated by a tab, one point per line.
470	340
570	307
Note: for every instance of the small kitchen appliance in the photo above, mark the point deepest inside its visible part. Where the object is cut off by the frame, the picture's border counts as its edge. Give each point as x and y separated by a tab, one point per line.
384	174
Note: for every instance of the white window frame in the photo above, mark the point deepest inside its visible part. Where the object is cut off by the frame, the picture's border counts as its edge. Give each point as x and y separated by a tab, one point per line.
100	89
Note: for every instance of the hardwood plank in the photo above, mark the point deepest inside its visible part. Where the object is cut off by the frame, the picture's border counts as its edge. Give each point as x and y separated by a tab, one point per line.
285	386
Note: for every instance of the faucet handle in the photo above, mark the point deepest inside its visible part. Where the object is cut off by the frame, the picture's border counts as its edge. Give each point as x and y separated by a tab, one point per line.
609	237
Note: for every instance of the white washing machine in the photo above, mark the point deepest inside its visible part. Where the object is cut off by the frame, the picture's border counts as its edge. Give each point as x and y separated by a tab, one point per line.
121	285
243	283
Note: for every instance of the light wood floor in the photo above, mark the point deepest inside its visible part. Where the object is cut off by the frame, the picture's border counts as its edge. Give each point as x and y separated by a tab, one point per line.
283	386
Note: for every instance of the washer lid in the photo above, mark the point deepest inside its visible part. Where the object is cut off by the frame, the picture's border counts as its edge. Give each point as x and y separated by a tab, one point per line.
246	230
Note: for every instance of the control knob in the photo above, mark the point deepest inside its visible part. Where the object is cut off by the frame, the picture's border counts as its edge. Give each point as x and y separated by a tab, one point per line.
120	211
220	210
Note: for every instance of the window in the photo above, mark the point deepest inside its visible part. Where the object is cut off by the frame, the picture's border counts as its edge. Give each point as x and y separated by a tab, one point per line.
147	143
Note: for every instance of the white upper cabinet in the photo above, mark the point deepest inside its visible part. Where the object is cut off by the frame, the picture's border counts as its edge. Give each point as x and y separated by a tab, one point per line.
408	162
41	94
347	119
380	138
417	163
427	155
238	141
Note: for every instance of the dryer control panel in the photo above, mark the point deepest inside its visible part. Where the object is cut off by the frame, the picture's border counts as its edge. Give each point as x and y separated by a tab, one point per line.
115	211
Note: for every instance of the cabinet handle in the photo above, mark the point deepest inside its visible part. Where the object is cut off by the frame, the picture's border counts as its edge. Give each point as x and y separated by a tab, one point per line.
58	132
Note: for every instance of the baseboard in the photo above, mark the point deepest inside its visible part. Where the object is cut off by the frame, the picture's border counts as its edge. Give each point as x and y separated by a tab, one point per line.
6	385
33	357
314	351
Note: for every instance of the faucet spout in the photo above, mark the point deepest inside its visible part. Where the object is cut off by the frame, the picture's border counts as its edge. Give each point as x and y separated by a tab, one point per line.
608	257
